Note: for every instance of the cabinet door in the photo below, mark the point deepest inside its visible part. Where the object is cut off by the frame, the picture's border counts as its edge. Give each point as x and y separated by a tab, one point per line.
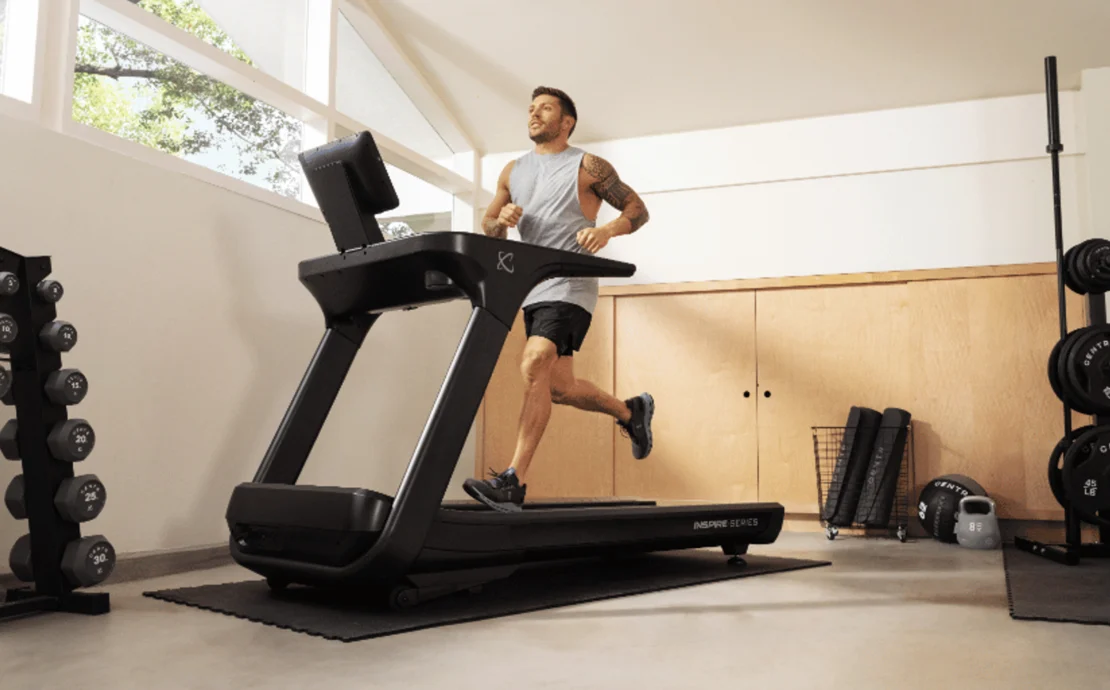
695	353
980	388
575	456
821	351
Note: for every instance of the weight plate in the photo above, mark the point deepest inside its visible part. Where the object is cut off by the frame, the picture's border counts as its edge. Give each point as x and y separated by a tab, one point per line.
1090	262
1069	272
1070	397
1088	369
1055	471
1086	471
1053	369
1079	261
5	381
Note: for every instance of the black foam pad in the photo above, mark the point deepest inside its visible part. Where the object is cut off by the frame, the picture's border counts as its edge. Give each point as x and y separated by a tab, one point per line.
337	616
881	482
851	466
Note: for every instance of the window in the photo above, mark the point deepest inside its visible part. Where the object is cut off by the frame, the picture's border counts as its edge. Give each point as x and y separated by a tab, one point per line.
266	34
366	91
18	31
126	88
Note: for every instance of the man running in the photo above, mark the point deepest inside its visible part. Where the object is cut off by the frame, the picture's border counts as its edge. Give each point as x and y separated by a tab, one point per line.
552	195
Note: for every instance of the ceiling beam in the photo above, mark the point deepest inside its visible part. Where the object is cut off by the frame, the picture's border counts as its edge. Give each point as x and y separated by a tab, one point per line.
376	33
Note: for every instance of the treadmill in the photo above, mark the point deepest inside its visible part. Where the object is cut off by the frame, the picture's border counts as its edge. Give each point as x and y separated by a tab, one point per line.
414	546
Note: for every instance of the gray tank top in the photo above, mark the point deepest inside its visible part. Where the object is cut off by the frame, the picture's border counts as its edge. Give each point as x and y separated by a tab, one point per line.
546	187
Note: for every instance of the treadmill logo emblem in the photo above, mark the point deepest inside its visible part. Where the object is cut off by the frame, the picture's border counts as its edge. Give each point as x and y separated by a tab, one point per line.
505	261
726	524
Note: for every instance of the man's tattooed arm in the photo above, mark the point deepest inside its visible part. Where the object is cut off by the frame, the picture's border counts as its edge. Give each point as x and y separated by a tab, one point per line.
609	187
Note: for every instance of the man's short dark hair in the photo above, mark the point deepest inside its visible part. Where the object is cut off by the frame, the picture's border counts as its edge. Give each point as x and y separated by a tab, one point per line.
564	101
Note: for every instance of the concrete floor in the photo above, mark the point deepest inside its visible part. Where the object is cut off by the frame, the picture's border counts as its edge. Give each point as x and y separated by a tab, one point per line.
884	615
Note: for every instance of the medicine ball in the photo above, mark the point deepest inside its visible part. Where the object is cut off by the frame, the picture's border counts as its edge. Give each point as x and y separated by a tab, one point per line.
939	501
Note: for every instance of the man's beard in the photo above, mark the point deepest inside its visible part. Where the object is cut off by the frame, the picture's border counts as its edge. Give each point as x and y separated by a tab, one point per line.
543	136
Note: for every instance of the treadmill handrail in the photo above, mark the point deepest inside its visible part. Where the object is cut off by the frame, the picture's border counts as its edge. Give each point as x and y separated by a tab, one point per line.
496	274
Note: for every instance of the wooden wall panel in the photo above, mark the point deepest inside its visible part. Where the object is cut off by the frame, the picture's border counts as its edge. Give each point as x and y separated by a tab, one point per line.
696	355
575	457
965	354
980	393
821	351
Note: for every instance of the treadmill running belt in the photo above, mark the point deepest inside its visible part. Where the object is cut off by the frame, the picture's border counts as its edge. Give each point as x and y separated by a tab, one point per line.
562	583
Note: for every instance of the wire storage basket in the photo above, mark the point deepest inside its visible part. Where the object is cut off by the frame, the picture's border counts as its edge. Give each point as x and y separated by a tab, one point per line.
829	450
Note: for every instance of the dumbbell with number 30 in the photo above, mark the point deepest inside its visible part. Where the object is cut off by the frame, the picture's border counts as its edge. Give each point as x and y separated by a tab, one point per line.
86	562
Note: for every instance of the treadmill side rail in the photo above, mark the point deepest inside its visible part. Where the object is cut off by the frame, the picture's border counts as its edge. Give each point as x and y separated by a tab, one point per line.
305	417
429	472
440	445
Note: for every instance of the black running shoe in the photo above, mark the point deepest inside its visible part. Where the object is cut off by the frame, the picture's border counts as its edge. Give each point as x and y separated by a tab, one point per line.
638	428
502	492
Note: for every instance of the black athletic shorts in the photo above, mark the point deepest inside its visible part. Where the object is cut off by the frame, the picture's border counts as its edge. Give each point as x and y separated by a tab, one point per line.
562	323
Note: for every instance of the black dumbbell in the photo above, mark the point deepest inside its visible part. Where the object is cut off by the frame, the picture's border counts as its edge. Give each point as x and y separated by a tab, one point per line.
9	284
59	336
66	387
86	562
19	560
9	443
49	291
78	499
13	498
5	383
8	329
71	440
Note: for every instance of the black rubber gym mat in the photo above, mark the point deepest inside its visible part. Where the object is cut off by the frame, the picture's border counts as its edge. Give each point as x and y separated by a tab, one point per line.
1043	590
319	613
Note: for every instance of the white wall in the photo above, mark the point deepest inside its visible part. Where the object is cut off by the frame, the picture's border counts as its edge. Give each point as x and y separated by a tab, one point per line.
962	184
271	32
1095	123
194	333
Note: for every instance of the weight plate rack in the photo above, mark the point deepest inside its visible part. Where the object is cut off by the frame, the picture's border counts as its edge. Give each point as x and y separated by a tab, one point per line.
1079	385
53	558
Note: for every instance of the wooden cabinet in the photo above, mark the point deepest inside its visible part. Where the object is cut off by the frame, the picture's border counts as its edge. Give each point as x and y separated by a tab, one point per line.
695	354
979	388
964	354
821	351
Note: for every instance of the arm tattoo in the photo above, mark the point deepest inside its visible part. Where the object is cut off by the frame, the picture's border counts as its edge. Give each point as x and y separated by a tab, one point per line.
610	188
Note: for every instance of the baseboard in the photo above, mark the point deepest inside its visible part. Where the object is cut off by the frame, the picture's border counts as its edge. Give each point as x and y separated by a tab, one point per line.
147	565
1048	531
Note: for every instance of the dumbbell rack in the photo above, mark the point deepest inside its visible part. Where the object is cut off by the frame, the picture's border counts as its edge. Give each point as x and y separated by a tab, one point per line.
36	414
1073	550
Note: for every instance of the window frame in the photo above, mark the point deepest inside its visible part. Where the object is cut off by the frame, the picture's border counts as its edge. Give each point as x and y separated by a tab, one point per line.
52	102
